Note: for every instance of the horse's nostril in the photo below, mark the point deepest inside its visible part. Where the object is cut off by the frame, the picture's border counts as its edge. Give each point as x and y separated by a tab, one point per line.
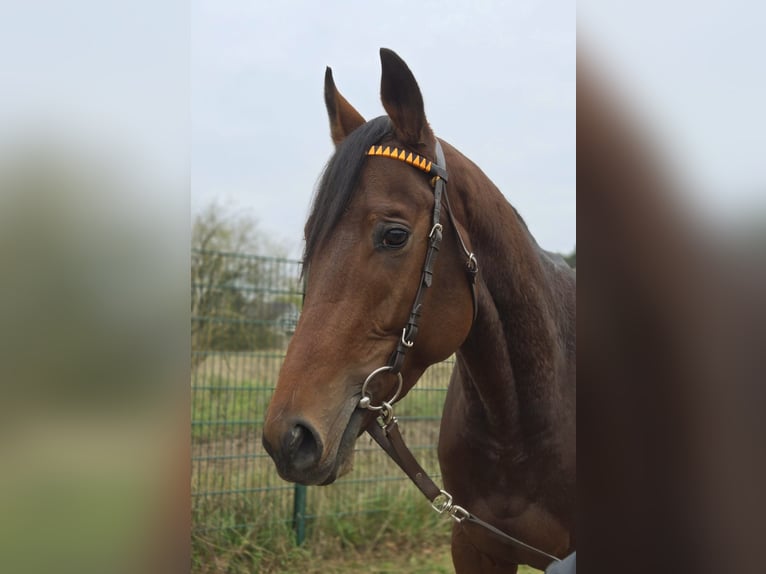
296	435
303	447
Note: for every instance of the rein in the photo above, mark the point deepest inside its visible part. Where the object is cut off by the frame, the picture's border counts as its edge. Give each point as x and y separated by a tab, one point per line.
385	431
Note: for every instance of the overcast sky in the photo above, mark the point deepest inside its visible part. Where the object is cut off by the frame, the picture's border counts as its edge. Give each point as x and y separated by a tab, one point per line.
498	80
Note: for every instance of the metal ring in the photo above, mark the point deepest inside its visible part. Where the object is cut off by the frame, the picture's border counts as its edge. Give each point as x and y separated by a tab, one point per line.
365	401
473	264
434	228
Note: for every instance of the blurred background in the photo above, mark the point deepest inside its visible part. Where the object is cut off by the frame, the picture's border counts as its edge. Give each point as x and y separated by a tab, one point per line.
672	213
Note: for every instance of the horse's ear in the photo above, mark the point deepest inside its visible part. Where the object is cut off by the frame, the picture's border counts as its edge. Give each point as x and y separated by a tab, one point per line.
344	119
402	100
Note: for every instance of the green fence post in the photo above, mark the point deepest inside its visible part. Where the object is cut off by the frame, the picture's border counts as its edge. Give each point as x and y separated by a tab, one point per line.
299	513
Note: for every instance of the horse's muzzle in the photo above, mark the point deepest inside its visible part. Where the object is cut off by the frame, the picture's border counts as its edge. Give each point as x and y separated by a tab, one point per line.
296	450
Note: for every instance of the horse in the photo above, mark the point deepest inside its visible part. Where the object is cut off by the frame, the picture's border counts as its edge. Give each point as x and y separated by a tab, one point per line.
507	441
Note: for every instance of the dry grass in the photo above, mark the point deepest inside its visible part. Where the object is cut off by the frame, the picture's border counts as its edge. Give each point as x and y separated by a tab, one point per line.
391	556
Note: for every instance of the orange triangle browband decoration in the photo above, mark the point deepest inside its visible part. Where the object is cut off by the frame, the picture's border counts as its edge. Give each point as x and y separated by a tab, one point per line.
402	155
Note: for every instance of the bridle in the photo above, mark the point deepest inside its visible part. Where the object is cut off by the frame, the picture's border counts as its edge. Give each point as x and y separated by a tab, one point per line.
385	430
438	172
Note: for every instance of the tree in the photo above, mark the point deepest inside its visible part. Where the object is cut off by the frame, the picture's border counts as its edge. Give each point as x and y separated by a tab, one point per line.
218	229
232	302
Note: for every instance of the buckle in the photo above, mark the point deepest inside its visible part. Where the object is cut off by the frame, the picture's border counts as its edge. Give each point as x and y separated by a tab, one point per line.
443	505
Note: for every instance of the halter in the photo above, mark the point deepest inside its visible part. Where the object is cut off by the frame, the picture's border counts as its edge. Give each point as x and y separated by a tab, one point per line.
438	172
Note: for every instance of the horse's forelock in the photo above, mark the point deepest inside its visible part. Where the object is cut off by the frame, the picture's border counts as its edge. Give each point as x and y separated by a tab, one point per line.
339	182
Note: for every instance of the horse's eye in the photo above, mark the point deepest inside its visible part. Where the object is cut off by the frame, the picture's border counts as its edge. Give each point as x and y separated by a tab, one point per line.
395	237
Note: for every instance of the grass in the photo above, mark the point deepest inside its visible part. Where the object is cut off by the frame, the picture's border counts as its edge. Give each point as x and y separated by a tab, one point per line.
242	556
403	523
372	520
401	542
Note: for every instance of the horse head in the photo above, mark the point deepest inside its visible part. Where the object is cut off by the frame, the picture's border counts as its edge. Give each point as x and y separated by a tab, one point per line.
367	241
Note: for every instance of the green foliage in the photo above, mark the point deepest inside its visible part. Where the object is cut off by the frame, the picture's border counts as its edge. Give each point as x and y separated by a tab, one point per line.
242	303
238	302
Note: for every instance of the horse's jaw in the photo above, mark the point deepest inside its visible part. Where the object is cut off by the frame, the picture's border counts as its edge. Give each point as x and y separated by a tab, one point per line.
344	459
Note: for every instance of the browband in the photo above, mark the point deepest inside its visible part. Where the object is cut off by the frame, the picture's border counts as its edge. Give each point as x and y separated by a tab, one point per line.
413	159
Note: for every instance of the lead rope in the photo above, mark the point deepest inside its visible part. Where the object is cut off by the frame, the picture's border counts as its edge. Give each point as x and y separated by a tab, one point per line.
389	438
387	434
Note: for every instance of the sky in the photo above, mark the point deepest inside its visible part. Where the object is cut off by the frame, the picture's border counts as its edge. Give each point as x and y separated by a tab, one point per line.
498	81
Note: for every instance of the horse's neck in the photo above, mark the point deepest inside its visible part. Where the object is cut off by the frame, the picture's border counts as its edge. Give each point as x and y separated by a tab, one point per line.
514	356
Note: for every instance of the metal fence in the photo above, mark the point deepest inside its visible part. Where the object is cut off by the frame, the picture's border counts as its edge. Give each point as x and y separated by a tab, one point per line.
244	310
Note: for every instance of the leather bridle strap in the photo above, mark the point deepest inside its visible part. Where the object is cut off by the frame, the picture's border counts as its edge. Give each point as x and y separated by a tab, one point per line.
390	440
438	171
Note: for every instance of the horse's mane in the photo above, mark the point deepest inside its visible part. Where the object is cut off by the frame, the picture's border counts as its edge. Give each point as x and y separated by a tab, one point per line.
338	182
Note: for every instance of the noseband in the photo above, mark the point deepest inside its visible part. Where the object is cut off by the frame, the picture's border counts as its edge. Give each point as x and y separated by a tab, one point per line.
438	172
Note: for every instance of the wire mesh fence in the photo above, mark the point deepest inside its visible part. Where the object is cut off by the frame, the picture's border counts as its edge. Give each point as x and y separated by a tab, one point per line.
244	311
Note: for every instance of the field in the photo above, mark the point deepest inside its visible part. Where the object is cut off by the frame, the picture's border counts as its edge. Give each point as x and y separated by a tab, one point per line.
373	520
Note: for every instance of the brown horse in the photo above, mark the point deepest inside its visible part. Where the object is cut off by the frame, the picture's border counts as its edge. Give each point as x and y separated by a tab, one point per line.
507	440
